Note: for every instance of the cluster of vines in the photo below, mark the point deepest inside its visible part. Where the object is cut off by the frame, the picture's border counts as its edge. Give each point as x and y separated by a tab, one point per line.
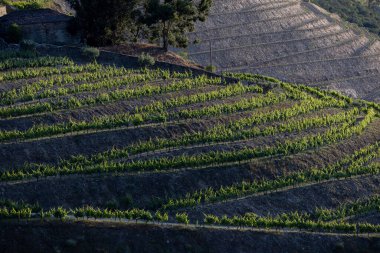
352	165
8	54
45	61
286	147
289	221
233	130
106	97
153	114
43	88
349	209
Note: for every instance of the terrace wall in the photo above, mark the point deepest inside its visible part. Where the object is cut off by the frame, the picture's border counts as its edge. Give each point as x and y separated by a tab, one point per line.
51	33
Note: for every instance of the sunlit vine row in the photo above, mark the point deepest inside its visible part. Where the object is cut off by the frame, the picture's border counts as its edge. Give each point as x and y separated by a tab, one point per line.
44	61
107	122
351	165
42	88
106	97
212	158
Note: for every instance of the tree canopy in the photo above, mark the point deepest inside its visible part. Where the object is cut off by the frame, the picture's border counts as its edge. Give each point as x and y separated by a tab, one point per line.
170	20
106	22
362	13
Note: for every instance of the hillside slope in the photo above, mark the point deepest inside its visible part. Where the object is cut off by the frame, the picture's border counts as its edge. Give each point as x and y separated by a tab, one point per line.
292	40
84	140
364	13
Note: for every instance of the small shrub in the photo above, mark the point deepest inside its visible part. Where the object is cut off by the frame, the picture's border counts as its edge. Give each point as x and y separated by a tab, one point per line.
138	119
103	98
184	55
146	60
28	4
41	214
74	102
59	213
28	45
196	41
147	216
211	219
161	217
14	33
90	53
210	68
182	218
225	221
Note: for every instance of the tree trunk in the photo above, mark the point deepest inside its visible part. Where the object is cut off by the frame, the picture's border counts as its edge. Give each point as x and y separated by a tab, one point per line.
165	38
166	44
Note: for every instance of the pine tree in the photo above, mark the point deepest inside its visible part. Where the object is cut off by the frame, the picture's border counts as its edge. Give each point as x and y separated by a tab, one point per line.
170	20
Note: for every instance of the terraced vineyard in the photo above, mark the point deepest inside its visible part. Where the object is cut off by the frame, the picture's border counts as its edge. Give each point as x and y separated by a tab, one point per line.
91	147
295	41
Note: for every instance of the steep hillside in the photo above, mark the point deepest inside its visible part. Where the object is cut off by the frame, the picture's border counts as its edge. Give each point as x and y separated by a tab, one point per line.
293	40
83	141
364	13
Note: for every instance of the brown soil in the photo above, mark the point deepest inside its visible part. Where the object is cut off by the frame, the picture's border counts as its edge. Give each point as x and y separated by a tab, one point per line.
44	149
371	217
89	112
303	199
78	237
157	52
146	190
